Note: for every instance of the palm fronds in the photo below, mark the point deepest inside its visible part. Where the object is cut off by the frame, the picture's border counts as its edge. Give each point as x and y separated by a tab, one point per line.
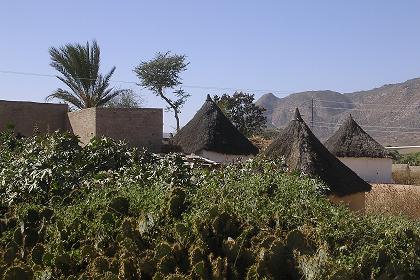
79	68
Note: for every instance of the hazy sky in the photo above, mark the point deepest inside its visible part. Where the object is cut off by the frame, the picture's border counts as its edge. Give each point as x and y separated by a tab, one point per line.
278	46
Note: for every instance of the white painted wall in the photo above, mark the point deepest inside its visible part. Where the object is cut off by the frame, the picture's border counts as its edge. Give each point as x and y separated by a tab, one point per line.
223	158
372	170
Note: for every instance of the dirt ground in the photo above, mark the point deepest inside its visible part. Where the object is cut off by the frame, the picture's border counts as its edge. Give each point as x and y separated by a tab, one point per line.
393	199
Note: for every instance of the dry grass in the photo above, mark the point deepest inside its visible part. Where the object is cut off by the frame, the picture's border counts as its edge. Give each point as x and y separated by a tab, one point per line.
394	200
260	142
405	174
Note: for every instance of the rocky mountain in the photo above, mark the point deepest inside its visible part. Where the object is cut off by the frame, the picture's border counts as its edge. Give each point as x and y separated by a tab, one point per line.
391	113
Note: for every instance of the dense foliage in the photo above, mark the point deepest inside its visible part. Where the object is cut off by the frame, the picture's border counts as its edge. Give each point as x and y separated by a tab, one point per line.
410	159
105	211
241	110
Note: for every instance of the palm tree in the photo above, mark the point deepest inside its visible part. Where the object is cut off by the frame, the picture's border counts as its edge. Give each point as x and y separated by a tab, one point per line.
79	66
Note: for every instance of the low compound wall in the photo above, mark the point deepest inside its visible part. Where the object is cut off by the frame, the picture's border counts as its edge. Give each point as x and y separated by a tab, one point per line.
139	127
25	116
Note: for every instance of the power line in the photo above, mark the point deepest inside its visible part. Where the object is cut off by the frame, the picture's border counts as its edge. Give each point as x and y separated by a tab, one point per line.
280	92
382	131
366	104
392	127
363	110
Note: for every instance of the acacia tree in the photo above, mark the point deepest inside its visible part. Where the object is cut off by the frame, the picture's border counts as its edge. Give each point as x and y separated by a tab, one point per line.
79	67
161	73
240	108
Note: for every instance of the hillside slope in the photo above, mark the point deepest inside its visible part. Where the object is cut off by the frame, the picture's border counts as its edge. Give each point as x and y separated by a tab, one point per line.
386	112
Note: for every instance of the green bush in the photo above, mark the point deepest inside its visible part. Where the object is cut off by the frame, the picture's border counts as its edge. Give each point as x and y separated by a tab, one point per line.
410	159
108	211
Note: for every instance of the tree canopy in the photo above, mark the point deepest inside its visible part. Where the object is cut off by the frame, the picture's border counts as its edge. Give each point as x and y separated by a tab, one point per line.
127	99
163	72
79	68
240	108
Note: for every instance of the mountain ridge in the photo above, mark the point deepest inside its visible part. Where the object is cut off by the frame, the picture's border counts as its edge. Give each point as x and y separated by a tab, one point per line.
389	113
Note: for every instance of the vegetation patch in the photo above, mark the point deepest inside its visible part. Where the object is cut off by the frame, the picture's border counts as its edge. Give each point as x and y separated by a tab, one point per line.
112	212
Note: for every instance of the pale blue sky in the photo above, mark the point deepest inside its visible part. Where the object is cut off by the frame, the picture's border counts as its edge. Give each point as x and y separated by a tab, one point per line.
282	46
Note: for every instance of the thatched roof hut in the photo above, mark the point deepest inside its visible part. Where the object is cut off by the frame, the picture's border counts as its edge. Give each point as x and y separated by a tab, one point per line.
361	153
302	151
210	130
350	140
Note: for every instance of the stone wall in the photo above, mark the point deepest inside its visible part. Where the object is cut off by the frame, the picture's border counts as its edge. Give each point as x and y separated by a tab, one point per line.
139	127
25	116
83	124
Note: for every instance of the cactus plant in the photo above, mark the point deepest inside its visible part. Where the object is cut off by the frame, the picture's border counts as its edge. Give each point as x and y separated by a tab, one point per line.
162	249
108	218
197	255
128	228
47	213
177	203
63	263
200	270
252	273
30	237
48	259
219	267
100	265
181	257
128	246
114	265
273	261
295	240
127	269
3	225
166	265
182	233
37	254
119	205
18	237
226	226
147	264
158	276
88	252
31	217
10	254
18	272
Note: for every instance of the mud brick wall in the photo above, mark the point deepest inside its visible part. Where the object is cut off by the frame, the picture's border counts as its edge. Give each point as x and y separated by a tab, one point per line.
25	116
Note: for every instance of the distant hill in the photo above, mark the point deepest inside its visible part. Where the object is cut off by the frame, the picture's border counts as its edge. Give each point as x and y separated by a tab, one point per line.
386	112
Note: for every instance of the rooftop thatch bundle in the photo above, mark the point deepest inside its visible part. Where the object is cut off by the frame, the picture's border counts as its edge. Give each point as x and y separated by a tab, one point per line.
350	140
303	152
211	130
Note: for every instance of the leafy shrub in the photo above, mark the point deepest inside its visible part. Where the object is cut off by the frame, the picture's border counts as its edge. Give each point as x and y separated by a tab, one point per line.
109	211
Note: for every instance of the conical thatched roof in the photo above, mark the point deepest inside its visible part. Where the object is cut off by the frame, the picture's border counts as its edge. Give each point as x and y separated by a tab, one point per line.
302	151
211	130
350	140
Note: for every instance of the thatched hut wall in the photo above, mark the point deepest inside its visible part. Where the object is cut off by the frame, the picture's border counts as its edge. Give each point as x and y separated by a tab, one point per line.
373	170
223	158
355	202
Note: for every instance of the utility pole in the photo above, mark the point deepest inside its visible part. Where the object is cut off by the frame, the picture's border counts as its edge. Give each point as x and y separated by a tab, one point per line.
312	114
